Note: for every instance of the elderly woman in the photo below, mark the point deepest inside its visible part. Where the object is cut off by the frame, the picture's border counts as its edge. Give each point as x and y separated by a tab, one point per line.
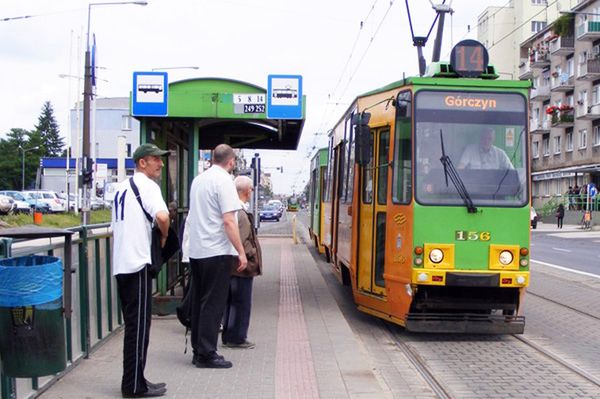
237	313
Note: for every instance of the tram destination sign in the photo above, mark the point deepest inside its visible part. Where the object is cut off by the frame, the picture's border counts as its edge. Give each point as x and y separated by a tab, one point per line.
249	103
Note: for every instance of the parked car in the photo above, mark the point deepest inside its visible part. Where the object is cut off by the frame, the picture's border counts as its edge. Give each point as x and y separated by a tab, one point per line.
533	217
34	204
51	198
6	205
21	204
270	212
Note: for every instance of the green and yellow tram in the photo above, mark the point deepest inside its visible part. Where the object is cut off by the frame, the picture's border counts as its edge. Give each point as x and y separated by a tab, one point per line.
318	165
426	199
293	204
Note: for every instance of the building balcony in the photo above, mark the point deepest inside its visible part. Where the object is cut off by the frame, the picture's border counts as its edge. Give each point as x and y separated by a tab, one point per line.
589	30
539	127
562	45
562	83
539	59
525	69
541	93
589	113
564	118
589	70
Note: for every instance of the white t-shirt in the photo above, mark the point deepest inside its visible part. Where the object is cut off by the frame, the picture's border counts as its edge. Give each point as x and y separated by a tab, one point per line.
212	194
475	157
131	229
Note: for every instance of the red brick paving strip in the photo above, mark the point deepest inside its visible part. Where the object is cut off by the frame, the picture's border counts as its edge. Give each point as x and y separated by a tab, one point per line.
295	376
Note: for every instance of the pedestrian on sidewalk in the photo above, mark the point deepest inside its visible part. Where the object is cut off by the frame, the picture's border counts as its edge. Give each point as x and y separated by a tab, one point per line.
215	249
131	261
560	214
576	197
239	303
570	196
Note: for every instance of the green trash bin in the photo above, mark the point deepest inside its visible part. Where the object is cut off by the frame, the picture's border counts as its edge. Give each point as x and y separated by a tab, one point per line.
32	338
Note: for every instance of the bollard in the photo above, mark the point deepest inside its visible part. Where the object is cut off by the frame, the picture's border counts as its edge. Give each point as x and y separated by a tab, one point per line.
294	236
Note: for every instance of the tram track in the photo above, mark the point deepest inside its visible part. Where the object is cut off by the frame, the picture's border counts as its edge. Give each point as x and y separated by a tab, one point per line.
581	312
417	361
556	358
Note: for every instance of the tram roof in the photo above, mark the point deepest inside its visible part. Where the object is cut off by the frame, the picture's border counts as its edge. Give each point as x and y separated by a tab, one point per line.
451	82
208	104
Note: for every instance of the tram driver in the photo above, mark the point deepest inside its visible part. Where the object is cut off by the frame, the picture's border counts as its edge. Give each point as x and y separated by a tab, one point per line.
484	155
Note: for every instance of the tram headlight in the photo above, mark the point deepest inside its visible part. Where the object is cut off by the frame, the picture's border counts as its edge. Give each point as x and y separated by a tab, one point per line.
436	255
506	257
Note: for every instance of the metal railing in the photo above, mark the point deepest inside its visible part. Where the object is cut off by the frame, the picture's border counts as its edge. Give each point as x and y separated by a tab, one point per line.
96	308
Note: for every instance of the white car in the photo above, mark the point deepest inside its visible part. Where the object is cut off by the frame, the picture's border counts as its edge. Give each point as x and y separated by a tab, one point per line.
6	205
56	203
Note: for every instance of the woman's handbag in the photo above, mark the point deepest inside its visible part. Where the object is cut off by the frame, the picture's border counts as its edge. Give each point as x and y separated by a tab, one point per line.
158	254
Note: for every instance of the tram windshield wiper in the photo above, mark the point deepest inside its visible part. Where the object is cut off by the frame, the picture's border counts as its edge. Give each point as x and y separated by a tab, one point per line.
450	170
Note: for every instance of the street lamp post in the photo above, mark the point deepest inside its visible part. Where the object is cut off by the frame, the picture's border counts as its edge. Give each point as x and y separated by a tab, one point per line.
24	150
87	95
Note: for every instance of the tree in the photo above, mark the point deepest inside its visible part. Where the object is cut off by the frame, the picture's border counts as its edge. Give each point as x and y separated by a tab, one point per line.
10	162
47	128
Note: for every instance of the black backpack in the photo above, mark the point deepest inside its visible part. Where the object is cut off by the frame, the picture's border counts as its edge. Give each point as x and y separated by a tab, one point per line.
184	311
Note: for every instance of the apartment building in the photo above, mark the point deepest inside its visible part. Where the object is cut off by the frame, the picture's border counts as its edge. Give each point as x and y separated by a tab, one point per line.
563	62
503	29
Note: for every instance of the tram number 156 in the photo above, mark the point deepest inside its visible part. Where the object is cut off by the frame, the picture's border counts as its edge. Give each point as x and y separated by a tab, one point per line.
462	235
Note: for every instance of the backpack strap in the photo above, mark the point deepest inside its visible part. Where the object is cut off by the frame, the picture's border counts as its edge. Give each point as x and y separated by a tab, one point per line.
139	200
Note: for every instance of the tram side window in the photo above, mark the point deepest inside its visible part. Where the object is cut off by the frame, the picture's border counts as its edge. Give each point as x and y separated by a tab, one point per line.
402	177
367	193
341	169
347	173
328	181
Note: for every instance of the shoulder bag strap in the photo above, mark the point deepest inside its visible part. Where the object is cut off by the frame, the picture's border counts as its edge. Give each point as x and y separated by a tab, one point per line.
139	200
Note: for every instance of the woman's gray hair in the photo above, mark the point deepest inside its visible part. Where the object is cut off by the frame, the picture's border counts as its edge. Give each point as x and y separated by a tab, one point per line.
242	183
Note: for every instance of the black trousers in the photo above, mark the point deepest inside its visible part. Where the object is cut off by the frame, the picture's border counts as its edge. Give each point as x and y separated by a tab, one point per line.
237	312
211	285
135	292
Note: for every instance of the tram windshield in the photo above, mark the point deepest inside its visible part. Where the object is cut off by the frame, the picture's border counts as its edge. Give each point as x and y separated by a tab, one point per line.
483	135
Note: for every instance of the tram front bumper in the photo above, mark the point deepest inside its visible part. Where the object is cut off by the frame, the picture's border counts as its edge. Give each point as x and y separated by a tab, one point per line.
468	278
464	323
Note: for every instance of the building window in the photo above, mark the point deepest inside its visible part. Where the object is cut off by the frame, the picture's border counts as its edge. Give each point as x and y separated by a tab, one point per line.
537	26
128	150
582	138
126	122
546	145
557	187
539	2
557	144
596	136
569	139
536	149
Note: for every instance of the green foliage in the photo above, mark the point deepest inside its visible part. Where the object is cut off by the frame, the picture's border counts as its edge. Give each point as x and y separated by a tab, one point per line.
29	146
47	128
549	208
563	26
59	220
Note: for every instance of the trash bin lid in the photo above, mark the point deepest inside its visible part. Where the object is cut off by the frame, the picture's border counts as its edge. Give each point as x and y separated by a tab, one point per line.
32	231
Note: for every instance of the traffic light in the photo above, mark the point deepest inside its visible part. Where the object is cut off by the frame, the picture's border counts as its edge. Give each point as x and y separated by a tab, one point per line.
87	177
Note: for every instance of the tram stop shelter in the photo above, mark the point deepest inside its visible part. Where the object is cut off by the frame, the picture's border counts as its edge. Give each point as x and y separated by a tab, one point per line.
202	113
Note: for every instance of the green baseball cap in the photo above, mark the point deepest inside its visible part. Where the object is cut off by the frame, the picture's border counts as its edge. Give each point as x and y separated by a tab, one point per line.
148	149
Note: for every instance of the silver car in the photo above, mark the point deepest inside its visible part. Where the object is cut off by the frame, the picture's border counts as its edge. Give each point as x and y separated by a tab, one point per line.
7	205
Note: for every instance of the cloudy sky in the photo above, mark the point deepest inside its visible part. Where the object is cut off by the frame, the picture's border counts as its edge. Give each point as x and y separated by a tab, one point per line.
239	39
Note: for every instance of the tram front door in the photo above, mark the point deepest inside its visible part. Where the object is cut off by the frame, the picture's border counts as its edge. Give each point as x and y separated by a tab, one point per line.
372	214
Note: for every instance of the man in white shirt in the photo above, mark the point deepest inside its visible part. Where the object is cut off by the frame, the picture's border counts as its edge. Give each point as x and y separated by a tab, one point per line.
484	155
215	250
131	258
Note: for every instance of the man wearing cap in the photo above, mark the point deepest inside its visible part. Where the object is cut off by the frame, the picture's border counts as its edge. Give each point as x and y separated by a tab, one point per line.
131	259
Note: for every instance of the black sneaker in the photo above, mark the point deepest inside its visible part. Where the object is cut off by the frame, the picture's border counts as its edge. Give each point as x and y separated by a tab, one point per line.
157	385
198	358
212	362
150	393
243	345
